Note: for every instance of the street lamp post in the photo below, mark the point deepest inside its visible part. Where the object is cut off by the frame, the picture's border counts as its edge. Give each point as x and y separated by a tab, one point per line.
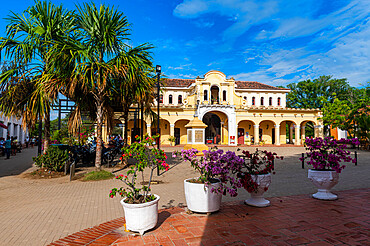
158	71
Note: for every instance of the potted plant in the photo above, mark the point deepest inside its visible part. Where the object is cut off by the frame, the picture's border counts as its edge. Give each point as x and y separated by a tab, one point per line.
255	175
216	170
325	156
140	206
172	140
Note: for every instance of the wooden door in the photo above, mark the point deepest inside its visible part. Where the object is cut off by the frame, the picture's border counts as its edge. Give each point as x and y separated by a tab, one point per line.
177	136
240	136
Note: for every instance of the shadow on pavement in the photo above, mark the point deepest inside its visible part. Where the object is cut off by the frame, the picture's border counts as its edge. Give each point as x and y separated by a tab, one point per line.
17	164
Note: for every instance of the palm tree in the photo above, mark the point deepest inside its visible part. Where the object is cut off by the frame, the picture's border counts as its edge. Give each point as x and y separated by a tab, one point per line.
91	66
137	85
29	39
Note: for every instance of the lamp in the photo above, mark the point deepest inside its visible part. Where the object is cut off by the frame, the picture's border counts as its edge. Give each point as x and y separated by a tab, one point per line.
158	69
267	127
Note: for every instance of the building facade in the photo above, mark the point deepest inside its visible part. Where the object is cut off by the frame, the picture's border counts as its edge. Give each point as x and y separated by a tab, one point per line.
14	128
235	112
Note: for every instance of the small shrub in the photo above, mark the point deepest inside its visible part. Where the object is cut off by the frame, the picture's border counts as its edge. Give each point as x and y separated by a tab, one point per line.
53	159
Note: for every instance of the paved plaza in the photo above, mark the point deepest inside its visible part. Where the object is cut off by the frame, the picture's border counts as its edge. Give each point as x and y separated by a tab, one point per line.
38	212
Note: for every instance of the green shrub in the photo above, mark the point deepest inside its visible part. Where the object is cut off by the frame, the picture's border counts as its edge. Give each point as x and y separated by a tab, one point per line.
53	159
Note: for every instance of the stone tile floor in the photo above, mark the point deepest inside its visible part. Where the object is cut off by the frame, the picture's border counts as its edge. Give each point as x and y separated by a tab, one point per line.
290	220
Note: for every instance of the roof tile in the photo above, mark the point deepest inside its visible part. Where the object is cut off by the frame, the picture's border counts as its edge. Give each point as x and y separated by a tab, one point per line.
239	84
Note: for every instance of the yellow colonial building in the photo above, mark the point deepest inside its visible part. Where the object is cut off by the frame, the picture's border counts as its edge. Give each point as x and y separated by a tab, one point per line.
234	112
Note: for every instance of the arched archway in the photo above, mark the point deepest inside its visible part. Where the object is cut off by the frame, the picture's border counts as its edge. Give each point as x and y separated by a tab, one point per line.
267	132
164	131
307	129
215	92
213	130
228	123
135	129
180	132
245	132
287	132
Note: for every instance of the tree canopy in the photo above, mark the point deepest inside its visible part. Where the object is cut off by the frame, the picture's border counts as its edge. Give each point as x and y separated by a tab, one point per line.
315	93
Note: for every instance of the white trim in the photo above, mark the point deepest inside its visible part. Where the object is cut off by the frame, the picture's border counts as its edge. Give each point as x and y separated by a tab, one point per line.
274	90
179	88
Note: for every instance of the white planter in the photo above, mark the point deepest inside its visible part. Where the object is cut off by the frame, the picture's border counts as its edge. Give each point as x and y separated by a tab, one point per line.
200	198
263	181
324	180
141	217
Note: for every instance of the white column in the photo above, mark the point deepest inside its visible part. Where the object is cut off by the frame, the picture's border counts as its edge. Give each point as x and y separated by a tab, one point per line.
232	128
297	135
123	130
172	129
256	134
291	133
303	134
277	134
148	128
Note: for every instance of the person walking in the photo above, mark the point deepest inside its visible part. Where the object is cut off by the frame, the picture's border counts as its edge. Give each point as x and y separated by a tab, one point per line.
27	141
8	147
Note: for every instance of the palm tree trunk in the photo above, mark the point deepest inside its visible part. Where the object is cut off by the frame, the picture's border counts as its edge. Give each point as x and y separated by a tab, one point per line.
99	120
125	120
46	131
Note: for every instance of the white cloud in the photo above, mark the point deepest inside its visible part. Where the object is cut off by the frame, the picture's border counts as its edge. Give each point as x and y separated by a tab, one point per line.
181	67
348	58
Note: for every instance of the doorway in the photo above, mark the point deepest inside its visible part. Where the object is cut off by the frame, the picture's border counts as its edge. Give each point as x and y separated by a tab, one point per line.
177	136
273	135
240	136
213	130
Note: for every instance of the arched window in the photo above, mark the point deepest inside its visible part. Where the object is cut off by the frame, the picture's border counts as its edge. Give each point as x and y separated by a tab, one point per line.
253	101
270	101
170	99
161	99
179	101
224	95
205	95
279	101
262	98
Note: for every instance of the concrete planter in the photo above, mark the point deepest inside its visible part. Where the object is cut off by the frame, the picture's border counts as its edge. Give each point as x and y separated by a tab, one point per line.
263	181
200	198
141	217
324	180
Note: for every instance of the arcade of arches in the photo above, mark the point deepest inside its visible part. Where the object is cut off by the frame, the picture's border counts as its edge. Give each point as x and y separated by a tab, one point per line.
235	112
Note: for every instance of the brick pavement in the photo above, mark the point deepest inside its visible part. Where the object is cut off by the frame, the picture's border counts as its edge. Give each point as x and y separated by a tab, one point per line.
38	212
290	220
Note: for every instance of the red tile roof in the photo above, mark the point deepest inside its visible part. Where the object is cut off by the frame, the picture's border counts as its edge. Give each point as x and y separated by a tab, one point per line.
255	85
239	84
178	82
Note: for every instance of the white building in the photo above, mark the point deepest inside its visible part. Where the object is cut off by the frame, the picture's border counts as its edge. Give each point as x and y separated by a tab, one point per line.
14	128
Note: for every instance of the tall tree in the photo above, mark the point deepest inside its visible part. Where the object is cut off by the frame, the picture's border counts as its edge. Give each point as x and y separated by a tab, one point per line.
94	66
28	40
351	114
314	93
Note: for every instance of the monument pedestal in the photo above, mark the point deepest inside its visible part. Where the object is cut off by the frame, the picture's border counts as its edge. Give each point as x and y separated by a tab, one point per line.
196	135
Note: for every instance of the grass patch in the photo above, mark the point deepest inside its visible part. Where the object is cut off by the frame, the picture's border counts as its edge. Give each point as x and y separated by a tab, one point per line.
98	175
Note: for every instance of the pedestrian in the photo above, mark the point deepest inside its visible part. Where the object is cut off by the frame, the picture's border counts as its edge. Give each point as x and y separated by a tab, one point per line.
13	145
8	146
27	141
33	141
2	142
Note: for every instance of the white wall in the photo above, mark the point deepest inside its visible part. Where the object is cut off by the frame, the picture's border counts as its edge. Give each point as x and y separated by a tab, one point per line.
14	129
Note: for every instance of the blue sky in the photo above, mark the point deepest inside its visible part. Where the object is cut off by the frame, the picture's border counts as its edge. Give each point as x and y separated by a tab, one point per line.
273	42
